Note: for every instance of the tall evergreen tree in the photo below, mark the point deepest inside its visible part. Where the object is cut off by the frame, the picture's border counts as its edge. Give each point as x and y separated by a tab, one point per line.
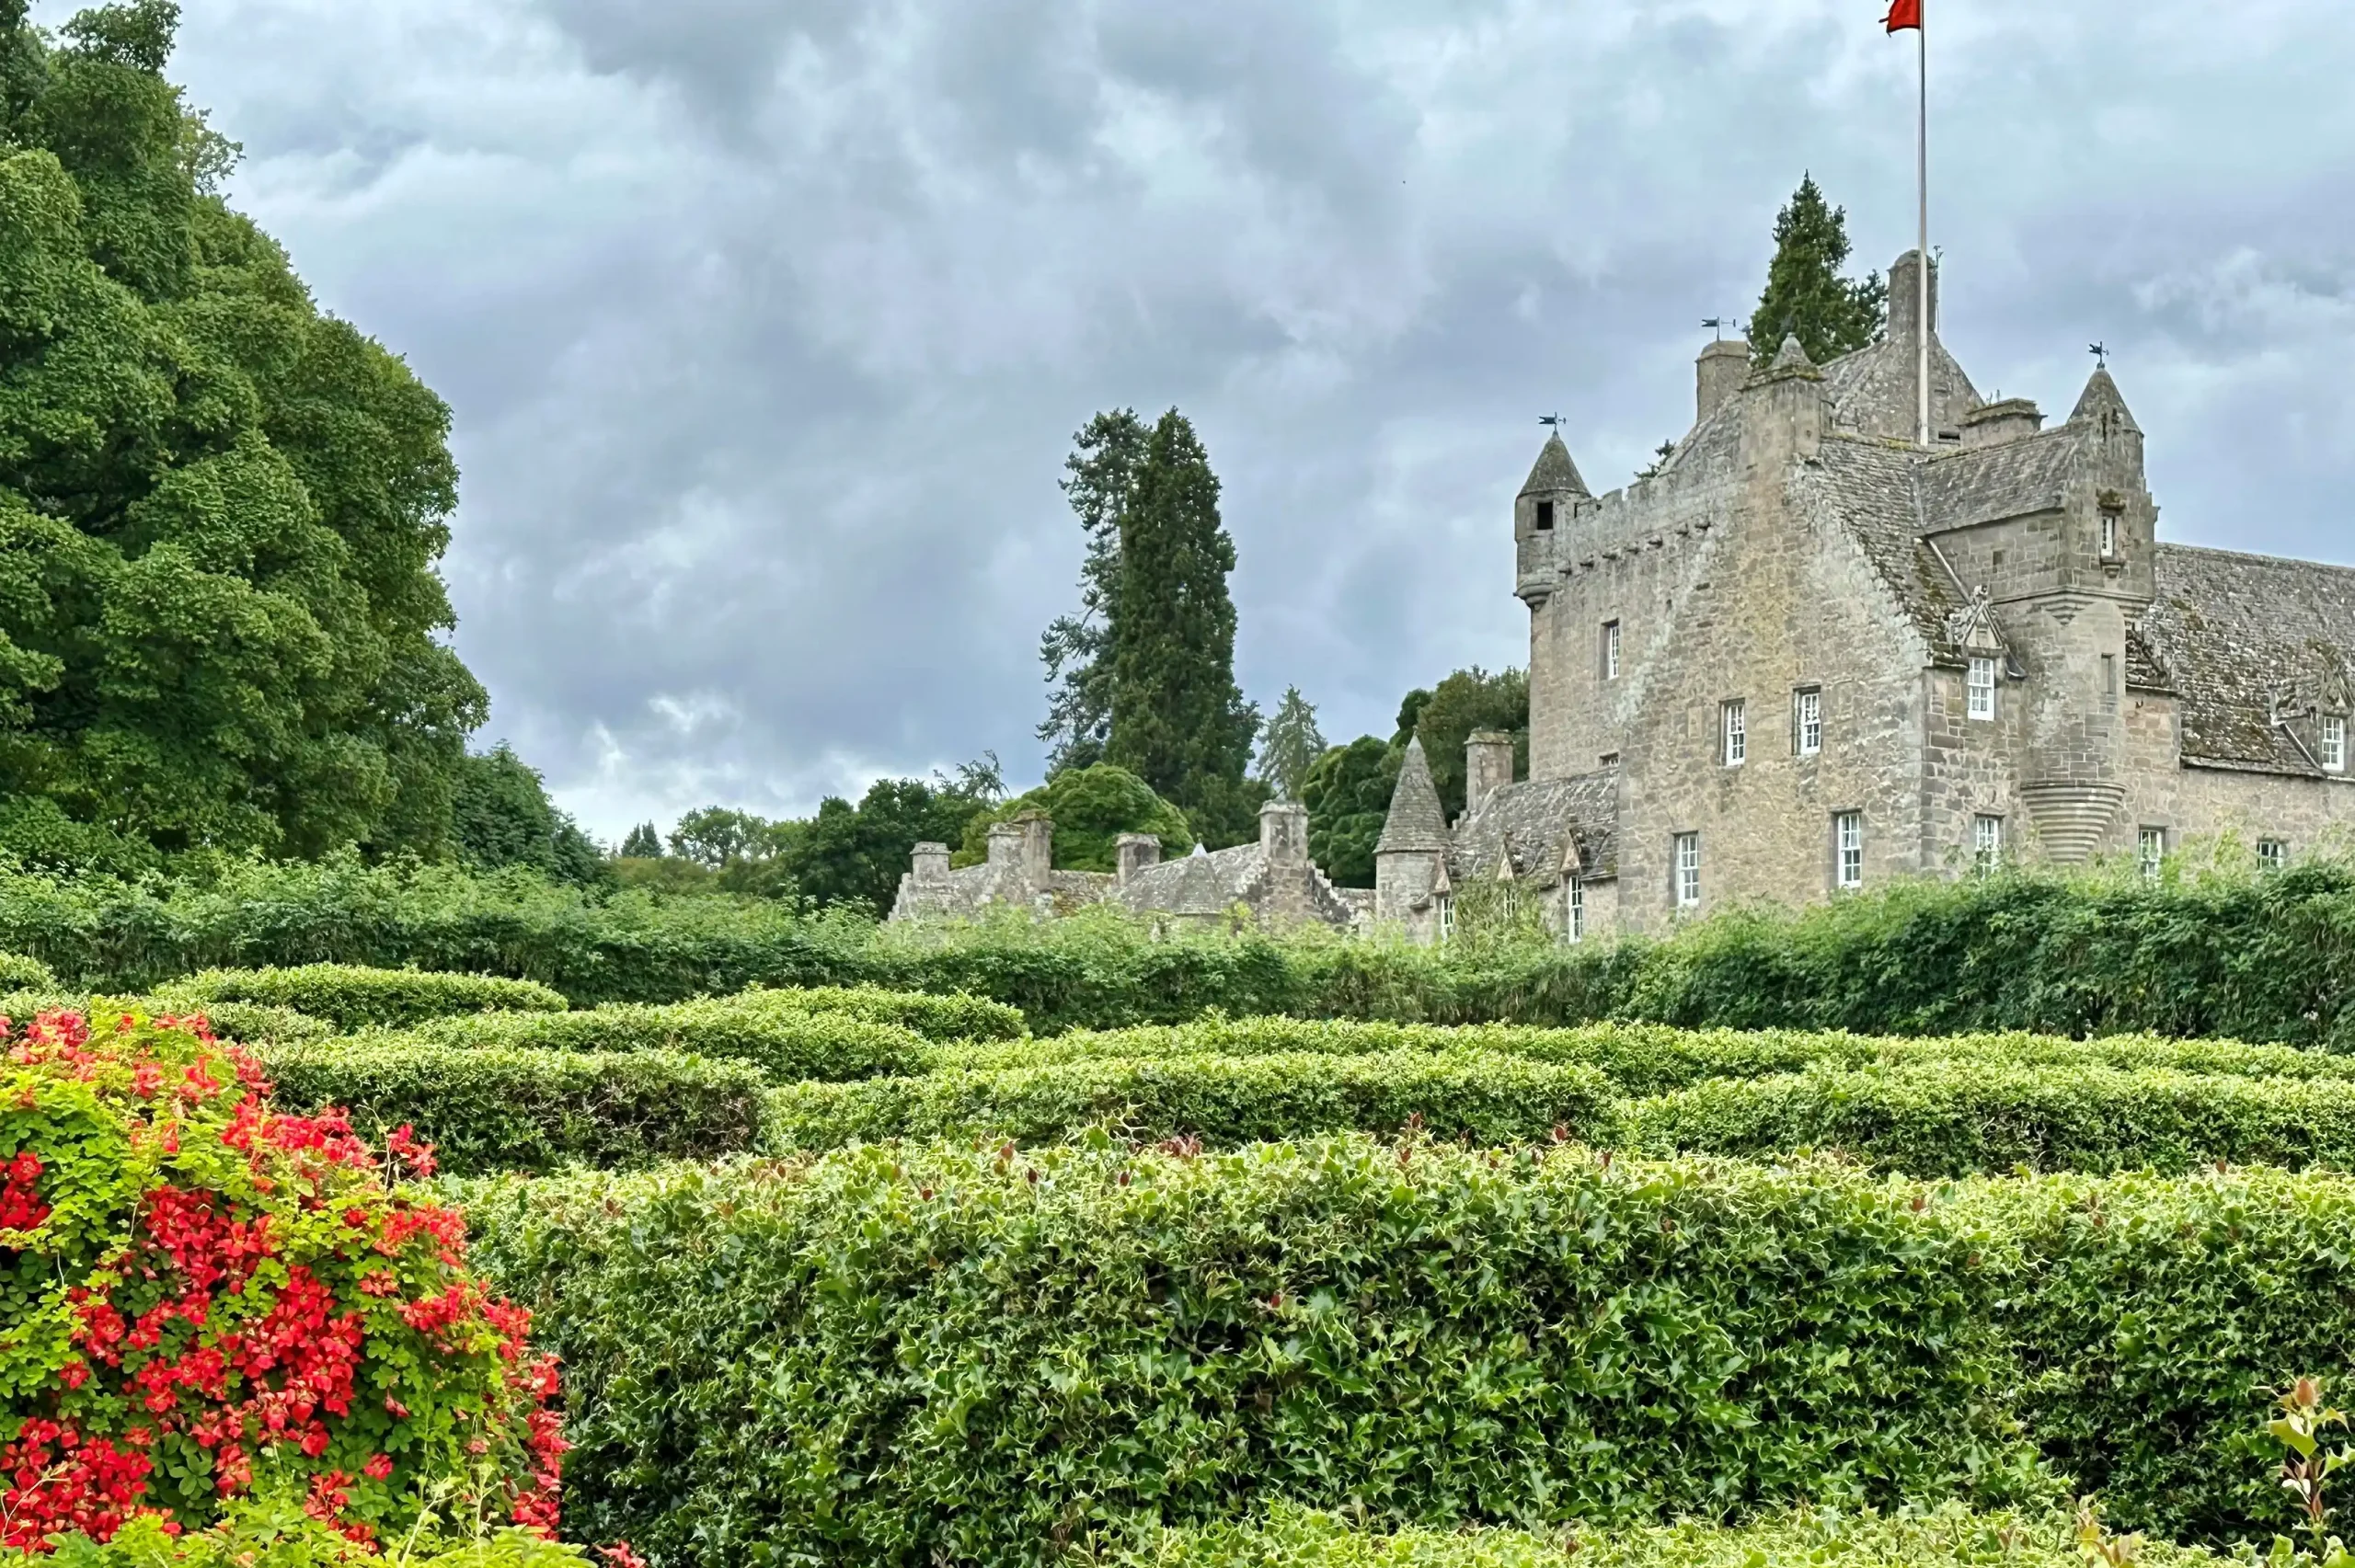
1805	296
1077	650
644	842
1179	720
1291	745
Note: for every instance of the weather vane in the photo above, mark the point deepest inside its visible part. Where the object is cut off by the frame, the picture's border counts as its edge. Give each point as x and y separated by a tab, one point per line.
2100	351
1553	420
1717	324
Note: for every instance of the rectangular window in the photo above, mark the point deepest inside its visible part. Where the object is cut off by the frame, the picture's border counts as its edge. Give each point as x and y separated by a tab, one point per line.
2109	537
1848	848
1446	917
2151	850
2272	854
1688	870
1544	515
2109	680
2333	742
1807	723
1982	688
1578	910
1611	651
1736	741
1987	842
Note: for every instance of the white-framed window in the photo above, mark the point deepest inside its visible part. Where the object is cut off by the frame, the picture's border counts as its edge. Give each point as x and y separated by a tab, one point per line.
2333	742
1446	917
1688	870
1576	926
1807	723
1981	688
2151	850
1986	843
2109	537
1737	737
1611	651
2272	854
1848	848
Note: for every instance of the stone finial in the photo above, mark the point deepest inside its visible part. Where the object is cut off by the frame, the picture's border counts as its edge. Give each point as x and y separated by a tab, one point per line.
1283	832
1905	297
1133	853
1488	766
931	864
1718	375
1791	359
1553	473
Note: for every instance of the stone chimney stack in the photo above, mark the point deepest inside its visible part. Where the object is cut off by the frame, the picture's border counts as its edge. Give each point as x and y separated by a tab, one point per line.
1488	766
1133	852
1038	846
1905	297
1720	372
1005	844
1283	832
932	865
1992	424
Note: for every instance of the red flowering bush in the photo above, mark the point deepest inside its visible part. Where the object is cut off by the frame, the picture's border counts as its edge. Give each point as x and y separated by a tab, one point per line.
203	1302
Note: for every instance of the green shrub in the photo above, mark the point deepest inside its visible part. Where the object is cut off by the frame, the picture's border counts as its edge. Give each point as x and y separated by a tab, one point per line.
901	1357
18	973
354	997
286	1538
495	1109
1940	1538
1965	1117
257	1024
1224	1100
957	1016
786	1043
2154	1319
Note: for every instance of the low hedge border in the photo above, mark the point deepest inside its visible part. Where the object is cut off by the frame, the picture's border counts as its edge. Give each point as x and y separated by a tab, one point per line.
353	996
885	1355
499	1110
957	1016
1224	1100
786	1043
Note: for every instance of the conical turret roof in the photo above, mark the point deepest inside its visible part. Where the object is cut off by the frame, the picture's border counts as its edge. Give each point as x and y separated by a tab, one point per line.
1554	471
2101	395
1416	821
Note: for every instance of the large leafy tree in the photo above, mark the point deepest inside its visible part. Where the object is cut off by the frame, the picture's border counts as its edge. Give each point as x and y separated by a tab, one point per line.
1091	808
220	509
1077	650
501	816
1806	295
1348	796
1179	720
853	856
1469	700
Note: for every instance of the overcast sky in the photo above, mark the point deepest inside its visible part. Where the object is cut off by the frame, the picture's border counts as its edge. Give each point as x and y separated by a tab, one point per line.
766	323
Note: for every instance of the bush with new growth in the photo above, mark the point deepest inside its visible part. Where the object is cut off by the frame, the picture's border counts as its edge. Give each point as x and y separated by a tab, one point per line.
203	1298
785	1043
1222	1101
353	996
959	1015
497	1108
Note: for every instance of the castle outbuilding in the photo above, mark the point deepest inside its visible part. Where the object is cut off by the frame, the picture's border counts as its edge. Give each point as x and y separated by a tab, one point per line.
1809	655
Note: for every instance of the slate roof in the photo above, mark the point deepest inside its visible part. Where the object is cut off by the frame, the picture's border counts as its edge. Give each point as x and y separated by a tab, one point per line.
1991	483
2237	630
1416	821
1872	390
1534	822
1872	488
1554	470
1195	884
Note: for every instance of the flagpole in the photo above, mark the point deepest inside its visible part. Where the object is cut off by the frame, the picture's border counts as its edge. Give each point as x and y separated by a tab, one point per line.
1921	173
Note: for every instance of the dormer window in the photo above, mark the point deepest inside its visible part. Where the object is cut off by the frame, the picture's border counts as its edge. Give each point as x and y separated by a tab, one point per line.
1546	518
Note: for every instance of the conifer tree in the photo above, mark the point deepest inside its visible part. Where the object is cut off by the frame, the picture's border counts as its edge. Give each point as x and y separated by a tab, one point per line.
644	842
1179	720
1077	650
1805	296
1291	745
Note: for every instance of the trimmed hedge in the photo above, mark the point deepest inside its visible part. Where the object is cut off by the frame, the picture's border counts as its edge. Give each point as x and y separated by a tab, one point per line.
1961	1119
1224	1101
353	997
787	1044
496	1110
958	1017
904	1357
1940	1538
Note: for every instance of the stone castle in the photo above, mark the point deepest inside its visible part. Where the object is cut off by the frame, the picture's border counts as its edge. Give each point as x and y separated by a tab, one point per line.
1809	655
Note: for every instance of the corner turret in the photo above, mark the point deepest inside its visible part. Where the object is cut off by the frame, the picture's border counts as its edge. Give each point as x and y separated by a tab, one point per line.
1409	861
1541	518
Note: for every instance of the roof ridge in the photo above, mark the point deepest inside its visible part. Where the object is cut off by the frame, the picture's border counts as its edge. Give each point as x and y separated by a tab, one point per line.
2249	555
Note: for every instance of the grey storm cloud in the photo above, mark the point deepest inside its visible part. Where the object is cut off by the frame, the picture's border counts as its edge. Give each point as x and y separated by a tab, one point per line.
766	325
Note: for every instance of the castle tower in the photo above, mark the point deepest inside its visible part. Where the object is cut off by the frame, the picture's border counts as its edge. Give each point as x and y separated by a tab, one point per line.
1541	519
1409	861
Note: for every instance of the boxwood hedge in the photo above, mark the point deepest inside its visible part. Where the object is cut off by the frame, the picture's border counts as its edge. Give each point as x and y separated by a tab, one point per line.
786	1043
353	996
1226	1101
906	1357
1938	1538
956	1016
492	1110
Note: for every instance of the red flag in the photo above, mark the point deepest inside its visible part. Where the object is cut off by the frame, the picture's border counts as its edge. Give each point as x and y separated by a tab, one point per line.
1904	13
